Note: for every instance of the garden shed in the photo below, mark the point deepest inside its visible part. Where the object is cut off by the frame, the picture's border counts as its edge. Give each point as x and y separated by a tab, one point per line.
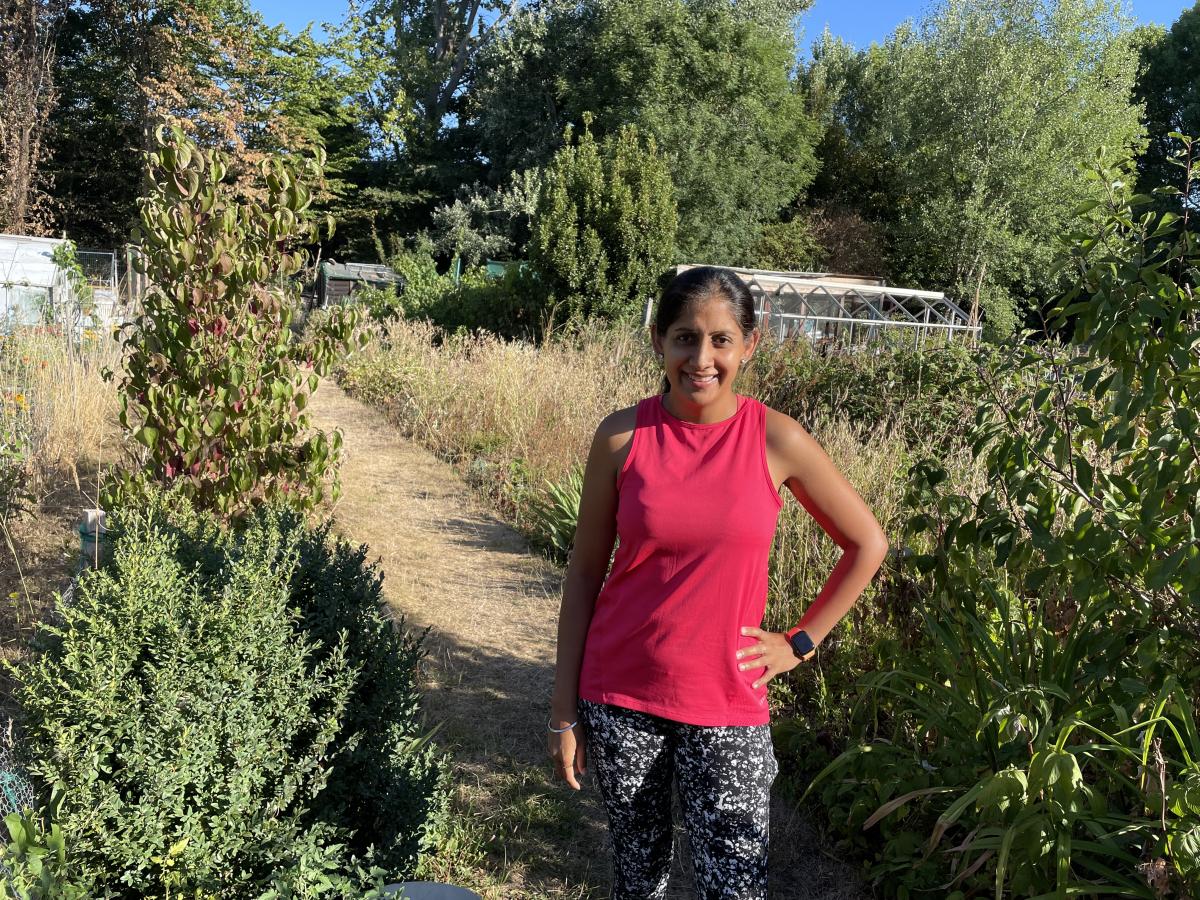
850	311
338	281
31	282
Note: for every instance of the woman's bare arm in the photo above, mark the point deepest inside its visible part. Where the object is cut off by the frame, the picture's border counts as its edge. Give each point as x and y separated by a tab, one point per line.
595	535
797	461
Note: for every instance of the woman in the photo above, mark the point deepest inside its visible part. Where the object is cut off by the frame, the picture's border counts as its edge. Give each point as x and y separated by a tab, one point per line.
662	669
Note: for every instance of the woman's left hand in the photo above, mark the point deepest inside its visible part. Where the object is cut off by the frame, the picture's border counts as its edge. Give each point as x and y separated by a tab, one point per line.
773	651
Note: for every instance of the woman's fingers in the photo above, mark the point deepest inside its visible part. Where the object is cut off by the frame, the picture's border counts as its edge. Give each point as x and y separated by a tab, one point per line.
568	755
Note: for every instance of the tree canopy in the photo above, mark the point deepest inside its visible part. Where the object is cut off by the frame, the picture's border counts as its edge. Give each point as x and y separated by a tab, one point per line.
968	137
711	85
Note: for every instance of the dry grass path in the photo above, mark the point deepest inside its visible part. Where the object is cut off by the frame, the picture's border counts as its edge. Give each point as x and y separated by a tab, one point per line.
491	607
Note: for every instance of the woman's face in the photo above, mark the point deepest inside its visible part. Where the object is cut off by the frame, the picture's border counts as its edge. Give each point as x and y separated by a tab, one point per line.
702	351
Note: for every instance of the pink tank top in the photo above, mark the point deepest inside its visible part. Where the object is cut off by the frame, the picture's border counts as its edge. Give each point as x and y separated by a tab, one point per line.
696	514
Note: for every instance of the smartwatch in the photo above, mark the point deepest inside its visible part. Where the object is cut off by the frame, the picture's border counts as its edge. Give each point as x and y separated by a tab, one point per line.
802	644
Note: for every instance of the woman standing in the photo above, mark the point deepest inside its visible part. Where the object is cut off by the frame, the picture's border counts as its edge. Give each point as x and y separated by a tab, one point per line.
662	668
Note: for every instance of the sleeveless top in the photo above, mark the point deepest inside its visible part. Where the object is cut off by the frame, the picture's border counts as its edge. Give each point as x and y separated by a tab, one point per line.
696	514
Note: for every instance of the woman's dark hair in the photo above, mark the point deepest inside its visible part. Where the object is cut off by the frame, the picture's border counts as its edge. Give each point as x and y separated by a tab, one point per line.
700	284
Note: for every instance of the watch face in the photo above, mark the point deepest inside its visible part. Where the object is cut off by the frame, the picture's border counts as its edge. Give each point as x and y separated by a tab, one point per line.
802	644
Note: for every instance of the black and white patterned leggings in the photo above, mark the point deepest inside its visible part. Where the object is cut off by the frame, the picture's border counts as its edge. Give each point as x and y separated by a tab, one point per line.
724	776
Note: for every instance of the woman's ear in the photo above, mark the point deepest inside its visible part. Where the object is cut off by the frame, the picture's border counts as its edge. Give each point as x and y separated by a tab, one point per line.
656	340
752	343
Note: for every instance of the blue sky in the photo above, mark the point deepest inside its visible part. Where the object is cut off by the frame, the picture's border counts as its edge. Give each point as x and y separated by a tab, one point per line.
862	21
858	21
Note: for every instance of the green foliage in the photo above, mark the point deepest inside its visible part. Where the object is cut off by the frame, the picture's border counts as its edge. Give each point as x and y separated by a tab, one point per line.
1168	85
604	230
928	395
212	386
709	81
556	514
787	247
231	714
1043	738
15	472
973	208
33	865
83	300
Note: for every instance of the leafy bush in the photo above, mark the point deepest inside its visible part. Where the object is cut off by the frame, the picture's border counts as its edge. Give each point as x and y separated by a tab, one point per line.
788	246
928	395
33	865
15	495
212	384
1043	740
230	714
604	229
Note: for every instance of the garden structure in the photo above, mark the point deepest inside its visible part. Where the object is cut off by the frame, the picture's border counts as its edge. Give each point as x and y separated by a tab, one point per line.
32	284
338	281
850	311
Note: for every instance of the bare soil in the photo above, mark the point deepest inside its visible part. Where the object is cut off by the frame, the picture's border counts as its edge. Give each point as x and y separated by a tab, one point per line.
491	606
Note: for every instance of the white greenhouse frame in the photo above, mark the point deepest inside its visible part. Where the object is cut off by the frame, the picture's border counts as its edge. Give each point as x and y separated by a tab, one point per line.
849	312
30	281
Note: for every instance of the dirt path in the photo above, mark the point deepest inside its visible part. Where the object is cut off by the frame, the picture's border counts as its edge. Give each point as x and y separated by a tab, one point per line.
491	606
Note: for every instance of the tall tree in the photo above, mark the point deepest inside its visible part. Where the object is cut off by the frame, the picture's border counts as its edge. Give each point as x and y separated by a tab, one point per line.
210	65
710	82
27	94
1169	86
969	136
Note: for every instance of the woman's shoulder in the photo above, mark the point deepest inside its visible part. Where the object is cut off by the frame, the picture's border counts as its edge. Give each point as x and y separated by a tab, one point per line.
616	430
783	432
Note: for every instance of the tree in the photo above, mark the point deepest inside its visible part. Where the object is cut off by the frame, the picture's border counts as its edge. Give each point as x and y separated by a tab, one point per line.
211	66
966	138
1169	86
27	94
604	229
713	88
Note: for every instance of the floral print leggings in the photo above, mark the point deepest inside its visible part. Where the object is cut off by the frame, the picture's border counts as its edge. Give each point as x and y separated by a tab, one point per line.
724	776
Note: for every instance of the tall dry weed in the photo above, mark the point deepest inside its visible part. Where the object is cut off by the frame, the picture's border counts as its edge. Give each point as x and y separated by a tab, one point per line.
67	412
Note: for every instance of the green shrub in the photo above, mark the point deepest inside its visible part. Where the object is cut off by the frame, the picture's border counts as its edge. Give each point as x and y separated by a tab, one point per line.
230	714
928	395
604	228
33	864
1042	740
213	386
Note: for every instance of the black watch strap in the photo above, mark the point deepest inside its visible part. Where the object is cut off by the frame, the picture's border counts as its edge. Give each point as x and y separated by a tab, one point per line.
802	644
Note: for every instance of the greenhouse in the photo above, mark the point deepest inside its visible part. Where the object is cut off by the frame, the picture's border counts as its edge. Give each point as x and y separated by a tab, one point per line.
848	311
32	284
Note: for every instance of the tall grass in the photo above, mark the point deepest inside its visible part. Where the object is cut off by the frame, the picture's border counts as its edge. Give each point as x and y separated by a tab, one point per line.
57	401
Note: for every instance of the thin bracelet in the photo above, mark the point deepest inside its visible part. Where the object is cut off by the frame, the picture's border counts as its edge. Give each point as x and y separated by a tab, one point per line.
560	730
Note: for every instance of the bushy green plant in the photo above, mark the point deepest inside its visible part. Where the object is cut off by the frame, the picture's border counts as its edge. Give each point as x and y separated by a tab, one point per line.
788	246
212	385
34	865
230	714
1042	741
929	395
15	495
555	514
604	229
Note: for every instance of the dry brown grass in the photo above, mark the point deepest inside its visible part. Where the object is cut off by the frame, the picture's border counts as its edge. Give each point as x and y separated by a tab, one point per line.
69	412
482	396
61	416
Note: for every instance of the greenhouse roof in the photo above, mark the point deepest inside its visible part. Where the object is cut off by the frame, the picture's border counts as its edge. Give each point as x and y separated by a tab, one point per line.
28	261
849	309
